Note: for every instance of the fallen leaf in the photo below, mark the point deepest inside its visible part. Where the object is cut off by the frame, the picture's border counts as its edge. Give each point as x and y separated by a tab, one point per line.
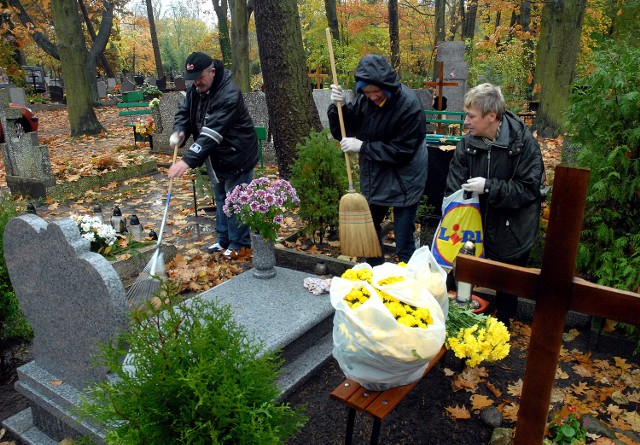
510	412
494	390
580	388
56	382
448	372
571	335
515	389
622	364
458	412
479	401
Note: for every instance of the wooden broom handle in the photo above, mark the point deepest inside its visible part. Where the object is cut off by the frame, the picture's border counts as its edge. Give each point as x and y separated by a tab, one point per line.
343	132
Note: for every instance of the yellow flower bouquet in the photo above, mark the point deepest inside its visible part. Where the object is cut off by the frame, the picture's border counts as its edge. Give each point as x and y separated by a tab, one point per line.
146	128
476	337
387	326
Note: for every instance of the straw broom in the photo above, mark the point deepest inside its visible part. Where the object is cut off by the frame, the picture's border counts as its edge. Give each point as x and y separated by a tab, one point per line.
154	273
358	237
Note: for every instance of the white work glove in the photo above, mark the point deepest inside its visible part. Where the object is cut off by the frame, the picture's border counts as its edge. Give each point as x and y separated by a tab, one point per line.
176	138
337	95
350	145
475	185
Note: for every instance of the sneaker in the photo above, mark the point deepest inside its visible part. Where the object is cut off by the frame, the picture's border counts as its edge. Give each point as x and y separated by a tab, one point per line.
230	253
215	248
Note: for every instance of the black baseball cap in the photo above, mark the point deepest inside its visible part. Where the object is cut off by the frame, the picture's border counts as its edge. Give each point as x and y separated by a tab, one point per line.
196	62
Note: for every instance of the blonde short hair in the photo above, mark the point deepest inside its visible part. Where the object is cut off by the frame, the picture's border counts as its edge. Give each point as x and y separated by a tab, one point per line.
486	98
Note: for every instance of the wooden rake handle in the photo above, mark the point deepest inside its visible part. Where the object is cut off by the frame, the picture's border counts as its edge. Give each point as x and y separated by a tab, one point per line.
343	132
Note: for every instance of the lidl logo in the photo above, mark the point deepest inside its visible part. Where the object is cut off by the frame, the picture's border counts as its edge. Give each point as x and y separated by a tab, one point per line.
460	223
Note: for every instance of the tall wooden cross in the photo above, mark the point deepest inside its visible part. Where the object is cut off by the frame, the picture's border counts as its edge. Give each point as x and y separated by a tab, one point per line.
318	76
440	84
555	290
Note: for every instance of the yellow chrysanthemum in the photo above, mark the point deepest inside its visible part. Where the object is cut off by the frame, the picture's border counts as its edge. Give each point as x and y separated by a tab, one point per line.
390	280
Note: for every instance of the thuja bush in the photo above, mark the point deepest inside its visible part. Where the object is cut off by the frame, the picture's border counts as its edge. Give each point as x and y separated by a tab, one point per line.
14	328
191	375
320	178
604	125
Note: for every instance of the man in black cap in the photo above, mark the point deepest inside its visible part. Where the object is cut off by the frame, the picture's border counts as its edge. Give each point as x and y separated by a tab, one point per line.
225	140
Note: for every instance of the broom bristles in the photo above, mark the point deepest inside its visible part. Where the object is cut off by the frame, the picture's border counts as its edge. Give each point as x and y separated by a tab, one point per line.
358	237
149	281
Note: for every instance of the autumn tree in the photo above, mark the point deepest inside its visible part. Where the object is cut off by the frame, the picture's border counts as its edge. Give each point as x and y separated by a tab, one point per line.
154	42
292	111
556	56
75	59
220	7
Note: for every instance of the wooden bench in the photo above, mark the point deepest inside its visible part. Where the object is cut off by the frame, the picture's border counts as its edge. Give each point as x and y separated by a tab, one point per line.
133	104
377	404
261	132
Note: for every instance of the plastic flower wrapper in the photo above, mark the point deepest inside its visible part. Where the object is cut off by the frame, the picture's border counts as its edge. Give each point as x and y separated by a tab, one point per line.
476	337
386	327
261	204
431	275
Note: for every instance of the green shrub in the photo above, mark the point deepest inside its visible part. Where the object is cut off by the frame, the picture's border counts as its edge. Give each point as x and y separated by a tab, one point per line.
198	379
14	328
604	125
320	178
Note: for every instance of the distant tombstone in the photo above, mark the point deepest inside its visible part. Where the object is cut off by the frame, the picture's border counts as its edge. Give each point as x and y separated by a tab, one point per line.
102	89
127	85
139	80
56	94
27	163
180	84
163	116
150	81
322	98
111	83
161	84
456	70
74	301
18	96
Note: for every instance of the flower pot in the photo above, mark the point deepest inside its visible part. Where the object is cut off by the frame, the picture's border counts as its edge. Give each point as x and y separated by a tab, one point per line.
264	257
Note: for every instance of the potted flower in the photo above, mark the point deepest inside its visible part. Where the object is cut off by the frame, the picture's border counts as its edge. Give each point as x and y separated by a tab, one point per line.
102	236
145	128
261	205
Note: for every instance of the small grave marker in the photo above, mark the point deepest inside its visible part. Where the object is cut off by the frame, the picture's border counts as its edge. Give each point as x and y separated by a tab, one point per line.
440	84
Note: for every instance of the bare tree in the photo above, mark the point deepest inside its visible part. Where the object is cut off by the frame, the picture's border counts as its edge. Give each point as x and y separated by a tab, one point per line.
394	34
154	43
332	18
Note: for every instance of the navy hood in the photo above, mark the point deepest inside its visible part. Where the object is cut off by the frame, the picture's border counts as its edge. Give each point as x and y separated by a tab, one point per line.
375	70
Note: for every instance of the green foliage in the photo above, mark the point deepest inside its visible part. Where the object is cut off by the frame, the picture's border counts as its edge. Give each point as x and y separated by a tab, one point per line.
14	328
320	178
151	91
568	430
195	377
504	66
604	126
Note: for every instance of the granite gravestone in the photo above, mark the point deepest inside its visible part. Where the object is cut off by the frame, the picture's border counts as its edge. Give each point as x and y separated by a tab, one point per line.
56	93
102	89
74	301
456	70
27	163
127	85
111	83
179	84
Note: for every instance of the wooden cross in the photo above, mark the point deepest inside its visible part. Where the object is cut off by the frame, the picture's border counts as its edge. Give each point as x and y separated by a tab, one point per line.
440	84
555	290
318	76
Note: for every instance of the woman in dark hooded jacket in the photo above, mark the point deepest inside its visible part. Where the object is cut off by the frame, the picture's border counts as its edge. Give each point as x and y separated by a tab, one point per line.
385	125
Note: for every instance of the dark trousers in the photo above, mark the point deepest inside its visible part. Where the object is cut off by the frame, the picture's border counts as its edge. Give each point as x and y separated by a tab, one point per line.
507	304
404	227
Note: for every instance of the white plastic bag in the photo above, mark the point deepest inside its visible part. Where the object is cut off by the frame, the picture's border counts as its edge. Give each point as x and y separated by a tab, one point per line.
370	346
430	274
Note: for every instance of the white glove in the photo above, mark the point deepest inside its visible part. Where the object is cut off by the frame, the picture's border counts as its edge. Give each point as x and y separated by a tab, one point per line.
337	95
176	138
475	185
350	145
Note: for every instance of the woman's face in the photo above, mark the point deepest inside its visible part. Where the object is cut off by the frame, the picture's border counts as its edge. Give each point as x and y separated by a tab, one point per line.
374	94
480	126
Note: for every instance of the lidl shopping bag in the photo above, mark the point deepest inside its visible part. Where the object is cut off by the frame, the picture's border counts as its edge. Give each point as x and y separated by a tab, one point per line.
461	222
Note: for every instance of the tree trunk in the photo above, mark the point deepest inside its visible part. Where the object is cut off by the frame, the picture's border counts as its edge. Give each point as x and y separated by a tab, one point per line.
332	18
394	35
556	56
292	111
154	42
221	7
440	7
92	33
469	23
73	58
240	41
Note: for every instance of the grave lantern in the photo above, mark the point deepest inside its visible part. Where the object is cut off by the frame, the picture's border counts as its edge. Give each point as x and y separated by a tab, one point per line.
135	228
97	211
463	292
117	221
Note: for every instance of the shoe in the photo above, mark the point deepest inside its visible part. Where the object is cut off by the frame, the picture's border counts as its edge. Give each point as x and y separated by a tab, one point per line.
215	248
230	253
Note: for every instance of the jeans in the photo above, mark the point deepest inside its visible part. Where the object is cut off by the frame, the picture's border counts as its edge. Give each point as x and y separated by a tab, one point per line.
230	234
404	227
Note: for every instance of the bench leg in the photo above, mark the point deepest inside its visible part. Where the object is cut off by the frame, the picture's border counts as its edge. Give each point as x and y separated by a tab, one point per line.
195	196
375	433
351	417
261	159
